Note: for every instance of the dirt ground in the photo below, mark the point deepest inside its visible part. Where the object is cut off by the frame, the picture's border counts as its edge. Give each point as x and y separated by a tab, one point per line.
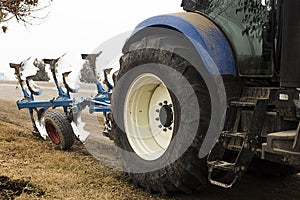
33	169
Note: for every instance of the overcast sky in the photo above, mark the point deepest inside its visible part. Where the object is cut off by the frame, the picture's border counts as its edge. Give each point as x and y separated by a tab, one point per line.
77	27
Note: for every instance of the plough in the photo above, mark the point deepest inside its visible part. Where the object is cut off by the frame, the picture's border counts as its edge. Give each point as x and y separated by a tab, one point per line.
61	128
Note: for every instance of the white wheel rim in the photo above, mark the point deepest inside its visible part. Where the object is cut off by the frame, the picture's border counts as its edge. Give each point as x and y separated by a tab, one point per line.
148	117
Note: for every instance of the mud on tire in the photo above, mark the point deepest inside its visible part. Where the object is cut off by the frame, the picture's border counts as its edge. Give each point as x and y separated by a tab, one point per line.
188	172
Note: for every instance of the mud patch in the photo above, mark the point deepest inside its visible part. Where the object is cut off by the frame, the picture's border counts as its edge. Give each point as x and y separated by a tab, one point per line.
10	189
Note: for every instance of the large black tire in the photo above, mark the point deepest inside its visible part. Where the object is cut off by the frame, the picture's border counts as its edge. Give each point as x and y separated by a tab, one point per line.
187	172
59	129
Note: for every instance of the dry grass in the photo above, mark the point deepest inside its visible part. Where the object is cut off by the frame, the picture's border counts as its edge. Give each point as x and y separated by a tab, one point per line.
39	171
60	175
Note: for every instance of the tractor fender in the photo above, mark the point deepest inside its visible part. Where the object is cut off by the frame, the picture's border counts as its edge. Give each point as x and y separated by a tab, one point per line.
215	61
210	42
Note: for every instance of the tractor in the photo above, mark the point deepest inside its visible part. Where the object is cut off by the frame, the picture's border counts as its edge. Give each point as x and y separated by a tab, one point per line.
201	96
204	95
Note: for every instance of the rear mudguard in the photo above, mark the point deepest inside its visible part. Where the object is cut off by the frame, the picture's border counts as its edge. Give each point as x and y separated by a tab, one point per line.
215	56
204	34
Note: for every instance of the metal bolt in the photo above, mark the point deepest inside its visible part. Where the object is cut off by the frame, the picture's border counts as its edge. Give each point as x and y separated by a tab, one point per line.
165	130
170	128
157	119
159	126
165	102
160	104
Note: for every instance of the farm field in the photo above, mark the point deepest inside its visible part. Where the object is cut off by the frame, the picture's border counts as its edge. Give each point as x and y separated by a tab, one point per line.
33	169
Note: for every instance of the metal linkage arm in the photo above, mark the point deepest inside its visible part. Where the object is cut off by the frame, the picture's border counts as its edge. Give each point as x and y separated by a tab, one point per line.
17	70
45	103
51	62
15	66
90	56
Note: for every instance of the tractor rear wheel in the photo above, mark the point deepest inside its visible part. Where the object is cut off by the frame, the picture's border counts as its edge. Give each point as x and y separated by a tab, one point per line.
59	129
159	100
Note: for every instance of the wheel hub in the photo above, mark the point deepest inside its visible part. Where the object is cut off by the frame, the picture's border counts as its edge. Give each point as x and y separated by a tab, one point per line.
166	116
54	136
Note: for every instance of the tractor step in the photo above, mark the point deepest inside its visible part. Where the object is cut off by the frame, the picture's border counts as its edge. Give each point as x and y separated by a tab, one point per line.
222	173
243	103
237	137
218	168
223	165
225	173
229	134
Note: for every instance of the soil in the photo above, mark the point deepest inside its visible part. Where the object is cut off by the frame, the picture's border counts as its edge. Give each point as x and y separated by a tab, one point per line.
32	168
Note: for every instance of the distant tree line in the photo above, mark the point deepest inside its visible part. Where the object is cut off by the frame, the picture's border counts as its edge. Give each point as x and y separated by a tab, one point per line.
42	74
87	74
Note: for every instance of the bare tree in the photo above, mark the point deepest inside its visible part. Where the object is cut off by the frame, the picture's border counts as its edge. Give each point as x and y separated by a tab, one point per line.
22	10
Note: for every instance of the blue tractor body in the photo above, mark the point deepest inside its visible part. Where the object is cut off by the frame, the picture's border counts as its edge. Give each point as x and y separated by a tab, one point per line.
238	51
